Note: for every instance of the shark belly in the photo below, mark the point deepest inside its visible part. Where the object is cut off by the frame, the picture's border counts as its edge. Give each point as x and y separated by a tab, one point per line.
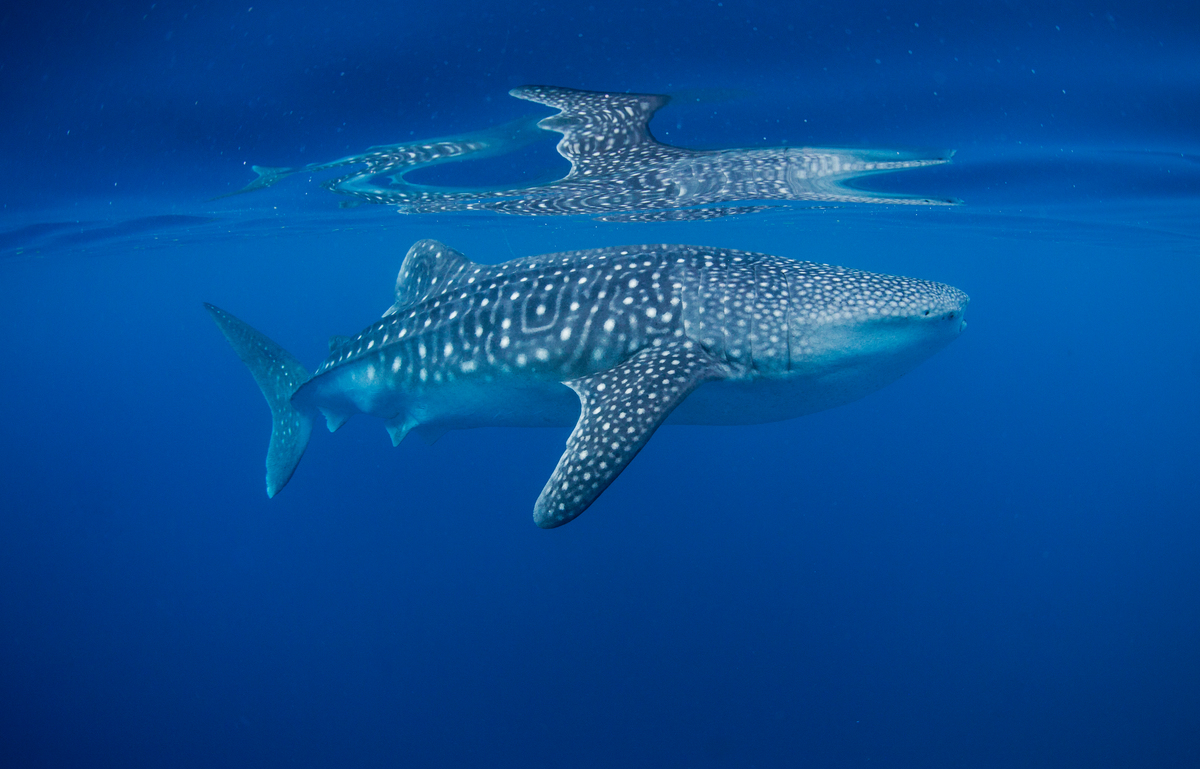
836	364
776	398
504	402
487	399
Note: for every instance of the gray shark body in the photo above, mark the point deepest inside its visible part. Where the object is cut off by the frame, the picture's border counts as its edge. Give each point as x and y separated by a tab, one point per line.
615	341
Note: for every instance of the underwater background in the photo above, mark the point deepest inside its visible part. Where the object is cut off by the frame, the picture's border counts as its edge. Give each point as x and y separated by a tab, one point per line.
993	562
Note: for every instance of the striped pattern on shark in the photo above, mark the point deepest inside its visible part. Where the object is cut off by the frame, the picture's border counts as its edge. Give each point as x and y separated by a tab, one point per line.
616	341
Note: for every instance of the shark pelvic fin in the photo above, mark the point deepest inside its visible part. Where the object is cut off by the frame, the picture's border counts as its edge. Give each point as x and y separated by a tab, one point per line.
399	426
278	375
333	419
429	267
619	410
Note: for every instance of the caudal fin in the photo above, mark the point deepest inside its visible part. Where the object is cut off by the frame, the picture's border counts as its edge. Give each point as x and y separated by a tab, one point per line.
278	375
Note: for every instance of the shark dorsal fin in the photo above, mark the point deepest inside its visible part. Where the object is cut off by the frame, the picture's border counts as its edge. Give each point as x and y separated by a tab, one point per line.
599	129
429	268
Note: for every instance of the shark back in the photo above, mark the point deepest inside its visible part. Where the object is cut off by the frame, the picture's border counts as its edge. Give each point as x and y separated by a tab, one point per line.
615	341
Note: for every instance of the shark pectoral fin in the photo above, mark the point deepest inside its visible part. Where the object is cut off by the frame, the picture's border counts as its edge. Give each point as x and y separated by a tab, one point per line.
619	410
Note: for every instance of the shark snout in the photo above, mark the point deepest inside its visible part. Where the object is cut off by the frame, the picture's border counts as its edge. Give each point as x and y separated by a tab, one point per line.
961	312
947	308
956	313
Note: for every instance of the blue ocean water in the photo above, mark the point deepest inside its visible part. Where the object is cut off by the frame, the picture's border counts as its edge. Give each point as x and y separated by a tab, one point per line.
992	562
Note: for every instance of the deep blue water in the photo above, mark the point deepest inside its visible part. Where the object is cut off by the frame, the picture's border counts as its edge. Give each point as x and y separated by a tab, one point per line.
993	562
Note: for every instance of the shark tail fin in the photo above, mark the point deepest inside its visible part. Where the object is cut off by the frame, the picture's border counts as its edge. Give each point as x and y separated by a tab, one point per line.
278	375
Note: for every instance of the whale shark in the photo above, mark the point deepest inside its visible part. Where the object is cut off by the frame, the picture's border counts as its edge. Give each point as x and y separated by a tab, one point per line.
619	170
615	341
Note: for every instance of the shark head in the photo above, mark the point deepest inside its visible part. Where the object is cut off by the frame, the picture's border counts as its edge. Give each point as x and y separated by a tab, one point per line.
872	328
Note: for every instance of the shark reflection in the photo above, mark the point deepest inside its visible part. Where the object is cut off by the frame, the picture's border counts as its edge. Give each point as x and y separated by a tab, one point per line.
619	171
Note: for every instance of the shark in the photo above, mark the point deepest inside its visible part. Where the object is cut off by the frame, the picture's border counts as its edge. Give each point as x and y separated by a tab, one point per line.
619	171
614	341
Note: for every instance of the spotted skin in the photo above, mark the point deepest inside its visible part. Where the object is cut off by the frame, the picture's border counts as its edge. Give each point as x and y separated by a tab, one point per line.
619	410
619	171
398	159
278	375
642	335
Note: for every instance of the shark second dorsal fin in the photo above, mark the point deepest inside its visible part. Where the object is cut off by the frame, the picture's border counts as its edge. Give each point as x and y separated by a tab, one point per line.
598	129
619	410
429	268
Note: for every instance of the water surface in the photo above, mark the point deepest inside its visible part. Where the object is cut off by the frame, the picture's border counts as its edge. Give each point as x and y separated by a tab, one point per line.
991	562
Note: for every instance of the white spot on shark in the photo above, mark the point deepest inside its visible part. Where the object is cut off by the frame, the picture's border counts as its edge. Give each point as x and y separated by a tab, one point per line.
748	318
